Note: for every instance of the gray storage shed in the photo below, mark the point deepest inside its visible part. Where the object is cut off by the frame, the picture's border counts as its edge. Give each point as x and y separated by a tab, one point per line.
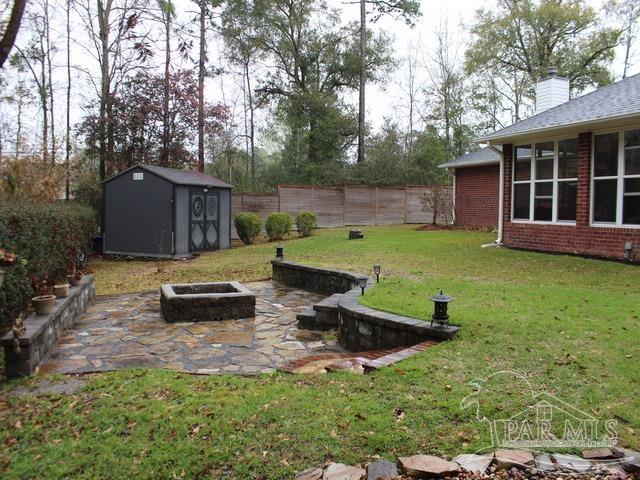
165	212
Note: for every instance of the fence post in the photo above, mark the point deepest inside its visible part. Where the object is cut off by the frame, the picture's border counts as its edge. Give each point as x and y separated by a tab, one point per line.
375	215
344	205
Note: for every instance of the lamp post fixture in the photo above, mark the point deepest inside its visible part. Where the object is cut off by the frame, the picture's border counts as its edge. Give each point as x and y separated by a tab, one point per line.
441	304
376	270
362	283
280	252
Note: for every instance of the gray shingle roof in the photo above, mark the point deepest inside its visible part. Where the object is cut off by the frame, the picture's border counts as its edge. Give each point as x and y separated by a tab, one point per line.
181	177
619	99
483	156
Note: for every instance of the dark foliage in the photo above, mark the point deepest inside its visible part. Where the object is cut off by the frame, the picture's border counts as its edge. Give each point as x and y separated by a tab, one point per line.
306	222
248	226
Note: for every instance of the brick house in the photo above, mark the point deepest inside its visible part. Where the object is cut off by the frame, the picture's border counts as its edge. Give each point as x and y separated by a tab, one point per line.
564	180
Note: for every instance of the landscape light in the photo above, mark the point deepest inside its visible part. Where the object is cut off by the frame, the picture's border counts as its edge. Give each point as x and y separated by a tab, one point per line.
376	270
441	304
362	282
280	252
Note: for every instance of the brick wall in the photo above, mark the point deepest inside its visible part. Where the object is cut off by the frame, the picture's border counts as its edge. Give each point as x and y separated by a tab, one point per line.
477	196
579	239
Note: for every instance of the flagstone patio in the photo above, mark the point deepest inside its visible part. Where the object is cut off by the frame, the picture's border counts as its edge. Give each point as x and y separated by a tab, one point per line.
127	331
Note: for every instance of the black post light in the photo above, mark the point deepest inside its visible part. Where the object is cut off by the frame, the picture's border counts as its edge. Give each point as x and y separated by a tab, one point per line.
376	270
441	304
280	252
362	283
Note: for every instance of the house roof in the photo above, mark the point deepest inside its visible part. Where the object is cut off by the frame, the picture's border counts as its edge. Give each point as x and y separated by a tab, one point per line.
179	177
616	101
484	156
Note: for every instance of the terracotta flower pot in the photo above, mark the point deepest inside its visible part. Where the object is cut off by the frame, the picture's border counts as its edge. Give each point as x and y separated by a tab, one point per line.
43	304
74	281
61	290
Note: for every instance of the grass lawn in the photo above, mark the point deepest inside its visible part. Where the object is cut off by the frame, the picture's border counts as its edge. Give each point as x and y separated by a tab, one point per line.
570	325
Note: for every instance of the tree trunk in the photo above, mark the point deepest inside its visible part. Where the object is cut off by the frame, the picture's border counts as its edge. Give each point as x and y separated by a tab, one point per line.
165	104
67	156
19	126
50	81
363	76
201	66
252	127
9	37
43	101
105	84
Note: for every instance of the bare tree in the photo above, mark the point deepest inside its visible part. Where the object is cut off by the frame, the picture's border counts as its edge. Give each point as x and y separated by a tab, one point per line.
67	156
11	31
627	14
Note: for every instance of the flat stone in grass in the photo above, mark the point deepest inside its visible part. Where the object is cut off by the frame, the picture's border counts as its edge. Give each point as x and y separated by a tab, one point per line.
630	460
381	469
310	474
513	458
572	463
427	466
340	471
598	453
544	463
474	463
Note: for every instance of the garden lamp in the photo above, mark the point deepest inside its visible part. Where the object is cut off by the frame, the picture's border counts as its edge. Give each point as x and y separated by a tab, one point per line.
441	304
362	283
376	270
280	252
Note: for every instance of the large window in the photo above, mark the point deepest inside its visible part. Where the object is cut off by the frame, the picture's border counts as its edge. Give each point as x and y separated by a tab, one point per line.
616	178
545	186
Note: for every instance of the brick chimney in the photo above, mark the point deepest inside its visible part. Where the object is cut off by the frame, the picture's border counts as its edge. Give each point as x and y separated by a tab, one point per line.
551	91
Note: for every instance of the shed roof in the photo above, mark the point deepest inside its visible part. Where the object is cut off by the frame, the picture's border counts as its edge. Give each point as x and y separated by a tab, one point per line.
616	101
179	177
483	156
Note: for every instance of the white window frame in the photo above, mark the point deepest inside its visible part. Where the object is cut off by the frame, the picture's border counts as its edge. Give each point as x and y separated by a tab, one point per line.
532	182
620	177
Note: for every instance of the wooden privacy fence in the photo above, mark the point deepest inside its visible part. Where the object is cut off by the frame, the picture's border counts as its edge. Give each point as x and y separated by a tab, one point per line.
347	205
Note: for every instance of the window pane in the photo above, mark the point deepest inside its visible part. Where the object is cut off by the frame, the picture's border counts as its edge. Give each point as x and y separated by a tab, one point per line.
632	152
567	196
632	185
631	210
544	161
544	189
523	163
542	209
604	200
521	200
605	156
568	158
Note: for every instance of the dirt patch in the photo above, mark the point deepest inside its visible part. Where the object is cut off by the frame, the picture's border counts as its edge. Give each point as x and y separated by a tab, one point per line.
428	227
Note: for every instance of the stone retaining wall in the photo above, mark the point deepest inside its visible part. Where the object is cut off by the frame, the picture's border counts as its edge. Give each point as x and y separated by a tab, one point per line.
359	327
313	279
363	328
42	331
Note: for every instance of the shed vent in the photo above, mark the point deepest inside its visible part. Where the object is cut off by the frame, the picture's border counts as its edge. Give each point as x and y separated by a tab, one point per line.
138	175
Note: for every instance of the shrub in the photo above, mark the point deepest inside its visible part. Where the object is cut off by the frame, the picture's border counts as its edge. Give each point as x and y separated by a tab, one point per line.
248	226
88	191
278	225
30	180
306	222
46	237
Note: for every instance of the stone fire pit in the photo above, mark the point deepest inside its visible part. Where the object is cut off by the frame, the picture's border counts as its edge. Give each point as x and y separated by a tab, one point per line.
196	302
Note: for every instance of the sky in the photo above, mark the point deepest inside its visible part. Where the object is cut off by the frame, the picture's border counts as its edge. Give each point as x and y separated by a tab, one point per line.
383	100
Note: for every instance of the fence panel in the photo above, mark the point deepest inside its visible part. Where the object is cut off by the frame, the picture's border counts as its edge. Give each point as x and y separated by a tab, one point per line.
261	203
391	206
328	205
360	205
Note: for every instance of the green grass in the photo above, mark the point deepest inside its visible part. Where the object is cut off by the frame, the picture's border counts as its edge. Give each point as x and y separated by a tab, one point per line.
571	325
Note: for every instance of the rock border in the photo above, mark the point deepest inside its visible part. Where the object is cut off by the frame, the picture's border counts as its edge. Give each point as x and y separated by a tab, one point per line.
42	331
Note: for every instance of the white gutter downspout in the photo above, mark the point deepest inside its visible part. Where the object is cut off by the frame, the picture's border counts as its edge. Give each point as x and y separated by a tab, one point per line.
498	241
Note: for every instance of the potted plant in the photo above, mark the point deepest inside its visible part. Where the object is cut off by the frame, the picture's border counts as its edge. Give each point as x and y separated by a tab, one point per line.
43	303
75	279
61	289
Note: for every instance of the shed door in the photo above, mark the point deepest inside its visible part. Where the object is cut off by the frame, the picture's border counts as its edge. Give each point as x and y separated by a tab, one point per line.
204	220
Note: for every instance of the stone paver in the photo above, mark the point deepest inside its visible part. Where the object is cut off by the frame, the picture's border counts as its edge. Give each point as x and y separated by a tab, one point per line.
127	331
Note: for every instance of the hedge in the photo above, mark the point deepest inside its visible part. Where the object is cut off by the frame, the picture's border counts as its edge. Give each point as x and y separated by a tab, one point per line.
248	226
46	238
278	225
306	222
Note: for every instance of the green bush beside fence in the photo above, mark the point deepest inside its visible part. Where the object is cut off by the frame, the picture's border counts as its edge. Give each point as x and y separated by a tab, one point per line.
248	226
46	238
278	225
306	222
